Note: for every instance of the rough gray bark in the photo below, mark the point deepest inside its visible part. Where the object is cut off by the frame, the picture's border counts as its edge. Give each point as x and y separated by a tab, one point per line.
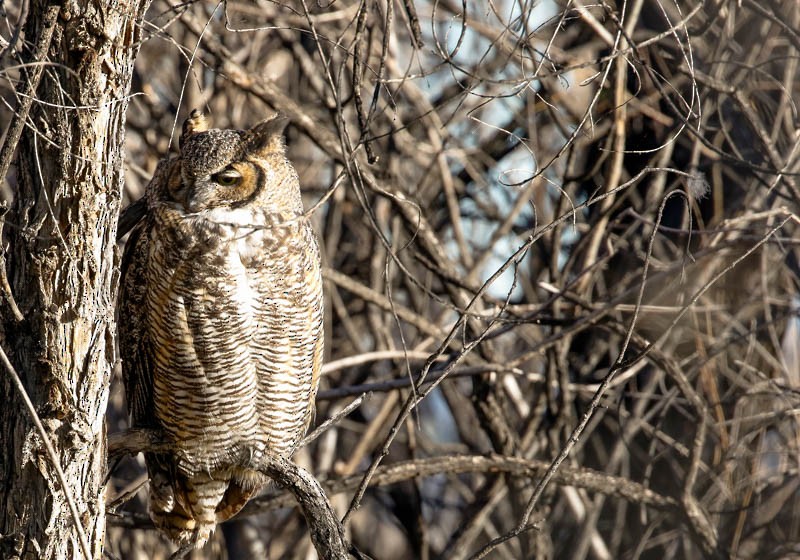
61	270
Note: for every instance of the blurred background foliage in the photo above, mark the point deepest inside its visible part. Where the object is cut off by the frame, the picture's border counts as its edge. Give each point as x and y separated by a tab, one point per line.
550	229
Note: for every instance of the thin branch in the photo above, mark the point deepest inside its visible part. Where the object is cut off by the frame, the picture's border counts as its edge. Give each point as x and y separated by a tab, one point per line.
18	120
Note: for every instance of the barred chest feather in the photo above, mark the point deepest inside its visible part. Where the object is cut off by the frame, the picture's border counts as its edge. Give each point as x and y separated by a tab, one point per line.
235	305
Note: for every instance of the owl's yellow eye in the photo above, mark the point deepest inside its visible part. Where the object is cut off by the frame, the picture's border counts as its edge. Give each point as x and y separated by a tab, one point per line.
227	178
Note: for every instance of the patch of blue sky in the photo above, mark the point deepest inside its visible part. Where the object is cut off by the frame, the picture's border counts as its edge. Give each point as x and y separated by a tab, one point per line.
493	33
514	171
510	19
444	429
507	180
493	115
790	347
455	52
506	285
537	13
494	99
569	234
497	198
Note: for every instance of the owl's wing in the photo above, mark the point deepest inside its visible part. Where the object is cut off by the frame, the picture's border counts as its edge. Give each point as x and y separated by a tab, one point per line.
135	347
131	216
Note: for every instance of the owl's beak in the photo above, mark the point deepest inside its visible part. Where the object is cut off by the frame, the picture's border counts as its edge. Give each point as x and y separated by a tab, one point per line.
192	201
191	204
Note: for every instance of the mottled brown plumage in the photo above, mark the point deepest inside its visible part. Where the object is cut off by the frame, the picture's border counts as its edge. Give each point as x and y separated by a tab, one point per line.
220	318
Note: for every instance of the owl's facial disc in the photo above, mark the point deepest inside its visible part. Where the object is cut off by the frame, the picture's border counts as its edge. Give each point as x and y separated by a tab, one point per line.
231	168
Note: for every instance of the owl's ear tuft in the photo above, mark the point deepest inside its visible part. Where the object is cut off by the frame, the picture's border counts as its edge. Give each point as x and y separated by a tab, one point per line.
267	136
195	123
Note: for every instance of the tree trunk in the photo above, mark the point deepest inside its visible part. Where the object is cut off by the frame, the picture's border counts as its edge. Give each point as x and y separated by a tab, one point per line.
60	263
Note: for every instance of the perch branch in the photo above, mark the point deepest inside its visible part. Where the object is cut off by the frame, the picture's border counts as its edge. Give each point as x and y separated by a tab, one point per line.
326	532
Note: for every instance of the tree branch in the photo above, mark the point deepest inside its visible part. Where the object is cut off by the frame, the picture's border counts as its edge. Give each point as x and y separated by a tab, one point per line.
325	530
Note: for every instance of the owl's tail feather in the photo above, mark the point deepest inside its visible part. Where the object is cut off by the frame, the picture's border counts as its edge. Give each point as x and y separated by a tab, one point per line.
187	510
183	531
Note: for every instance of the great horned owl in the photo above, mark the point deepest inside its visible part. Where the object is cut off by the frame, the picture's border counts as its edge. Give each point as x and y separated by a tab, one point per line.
220	321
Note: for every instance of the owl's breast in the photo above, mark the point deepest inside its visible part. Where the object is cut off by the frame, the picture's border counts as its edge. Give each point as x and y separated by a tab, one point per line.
202	321
237	334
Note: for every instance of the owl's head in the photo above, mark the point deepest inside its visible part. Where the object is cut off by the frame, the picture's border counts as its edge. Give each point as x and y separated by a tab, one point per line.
232	168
